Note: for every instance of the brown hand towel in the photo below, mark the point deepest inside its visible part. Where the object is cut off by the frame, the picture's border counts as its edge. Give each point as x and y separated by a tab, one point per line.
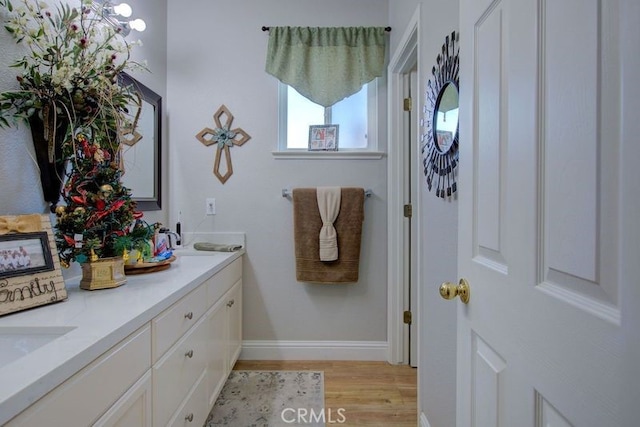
306	227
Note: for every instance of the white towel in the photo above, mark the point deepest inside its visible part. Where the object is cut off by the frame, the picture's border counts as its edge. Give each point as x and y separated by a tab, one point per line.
329	207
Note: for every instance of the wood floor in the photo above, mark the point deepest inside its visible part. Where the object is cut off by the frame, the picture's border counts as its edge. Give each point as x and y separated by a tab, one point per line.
370	393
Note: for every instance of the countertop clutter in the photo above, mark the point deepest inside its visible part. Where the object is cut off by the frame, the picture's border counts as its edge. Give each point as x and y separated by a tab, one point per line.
42	347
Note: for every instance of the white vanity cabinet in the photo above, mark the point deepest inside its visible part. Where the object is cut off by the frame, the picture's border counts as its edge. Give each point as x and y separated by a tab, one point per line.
133	409
188	375
167	373
234	324
86	396
225	338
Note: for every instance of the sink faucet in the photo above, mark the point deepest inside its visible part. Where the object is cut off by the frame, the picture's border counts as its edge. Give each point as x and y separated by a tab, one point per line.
172	237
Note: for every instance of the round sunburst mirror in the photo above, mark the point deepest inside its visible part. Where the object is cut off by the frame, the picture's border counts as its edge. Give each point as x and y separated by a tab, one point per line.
440	122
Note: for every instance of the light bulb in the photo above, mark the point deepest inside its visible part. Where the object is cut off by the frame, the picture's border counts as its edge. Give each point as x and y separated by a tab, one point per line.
138	25
123	9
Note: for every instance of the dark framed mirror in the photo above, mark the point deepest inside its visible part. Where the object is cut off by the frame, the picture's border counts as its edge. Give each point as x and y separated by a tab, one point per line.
440	123
142	148
445	118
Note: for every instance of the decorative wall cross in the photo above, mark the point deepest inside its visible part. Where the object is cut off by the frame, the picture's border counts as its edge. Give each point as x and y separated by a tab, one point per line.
225	137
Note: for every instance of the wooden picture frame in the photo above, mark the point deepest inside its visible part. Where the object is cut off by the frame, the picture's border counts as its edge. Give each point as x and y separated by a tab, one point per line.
323	137
30	273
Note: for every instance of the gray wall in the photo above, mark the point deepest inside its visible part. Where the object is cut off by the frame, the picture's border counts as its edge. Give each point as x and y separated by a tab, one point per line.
217	55
20	189
439	221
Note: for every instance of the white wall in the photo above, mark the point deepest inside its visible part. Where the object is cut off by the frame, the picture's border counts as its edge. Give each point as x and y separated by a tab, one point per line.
439	219
217	55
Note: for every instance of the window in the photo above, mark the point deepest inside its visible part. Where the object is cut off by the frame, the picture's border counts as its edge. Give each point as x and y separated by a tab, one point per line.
355	115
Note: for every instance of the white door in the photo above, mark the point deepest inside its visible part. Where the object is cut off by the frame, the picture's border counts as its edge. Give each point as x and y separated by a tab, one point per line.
539	343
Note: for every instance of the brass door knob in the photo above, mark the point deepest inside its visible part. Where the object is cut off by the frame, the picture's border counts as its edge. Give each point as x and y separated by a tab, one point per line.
450	290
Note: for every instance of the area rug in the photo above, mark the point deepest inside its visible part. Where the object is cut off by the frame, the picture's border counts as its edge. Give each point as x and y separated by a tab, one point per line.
270	399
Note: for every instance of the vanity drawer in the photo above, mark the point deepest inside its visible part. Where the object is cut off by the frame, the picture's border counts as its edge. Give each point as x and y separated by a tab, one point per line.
177	371
84	397
169	326
194	411
222	281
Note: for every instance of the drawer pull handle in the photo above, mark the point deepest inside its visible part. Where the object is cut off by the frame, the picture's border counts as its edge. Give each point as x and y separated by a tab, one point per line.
189	354
230	303
189	315
189	417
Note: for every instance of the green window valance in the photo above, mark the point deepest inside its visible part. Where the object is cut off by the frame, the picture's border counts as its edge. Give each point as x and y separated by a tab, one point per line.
326	64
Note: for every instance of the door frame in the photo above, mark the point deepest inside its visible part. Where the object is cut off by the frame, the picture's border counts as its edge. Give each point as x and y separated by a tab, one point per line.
406	56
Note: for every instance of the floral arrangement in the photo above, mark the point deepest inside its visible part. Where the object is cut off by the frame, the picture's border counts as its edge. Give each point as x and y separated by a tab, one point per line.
69	91
70	69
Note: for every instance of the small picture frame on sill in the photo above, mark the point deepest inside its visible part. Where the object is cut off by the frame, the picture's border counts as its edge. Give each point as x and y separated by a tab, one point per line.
323	137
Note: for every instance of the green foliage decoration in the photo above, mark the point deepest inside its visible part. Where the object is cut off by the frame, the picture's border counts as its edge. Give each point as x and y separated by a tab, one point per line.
99	217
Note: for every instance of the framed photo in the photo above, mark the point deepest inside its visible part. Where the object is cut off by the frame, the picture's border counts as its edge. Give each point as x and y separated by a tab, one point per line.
323	137
30	273
444	139
24	253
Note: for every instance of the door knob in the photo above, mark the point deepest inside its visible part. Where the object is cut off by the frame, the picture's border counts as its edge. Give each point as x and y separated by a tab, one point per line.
450	290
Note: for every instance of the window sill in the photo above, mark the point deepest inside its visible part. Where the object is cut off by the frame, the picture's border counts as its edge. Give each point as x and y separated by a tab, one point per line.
323	155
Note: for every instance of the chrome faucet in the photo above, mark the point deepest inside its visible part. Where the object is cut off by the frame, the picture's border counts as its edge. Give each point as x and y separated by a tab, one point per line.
172	237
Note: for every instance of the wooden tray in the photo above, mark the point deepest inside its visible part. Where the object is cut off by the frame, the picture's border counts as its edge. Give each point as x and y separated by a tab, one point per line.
148	267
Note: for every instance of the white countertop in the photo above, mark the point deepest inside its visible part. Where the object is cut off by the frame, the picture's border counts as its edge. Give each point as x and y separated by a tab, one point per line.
100	320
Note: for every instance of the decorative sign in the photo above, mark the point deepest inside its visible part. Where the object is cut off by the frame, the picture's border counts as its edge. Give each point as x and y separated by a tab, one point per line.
323	137
226	138
30	272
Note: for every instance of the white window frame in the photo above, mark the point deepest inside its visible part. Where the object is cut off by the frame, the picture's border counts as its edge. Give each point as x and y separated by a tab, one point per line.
370	152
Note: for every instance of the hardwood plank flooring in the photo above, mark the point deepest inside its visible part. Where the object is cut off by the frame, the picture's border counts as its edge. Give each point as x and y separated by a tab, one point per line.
370	393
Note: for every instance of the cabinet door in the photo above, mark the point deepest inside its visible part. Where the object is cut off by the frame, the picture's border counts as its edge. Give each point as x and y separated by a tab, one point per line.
87	395
177	371
194	410
234	324
133	409
217	352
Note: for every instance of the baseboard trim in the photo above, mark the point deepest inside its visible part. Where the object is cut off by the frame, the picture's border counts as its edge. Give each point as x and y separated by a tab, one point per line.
314	350
423	420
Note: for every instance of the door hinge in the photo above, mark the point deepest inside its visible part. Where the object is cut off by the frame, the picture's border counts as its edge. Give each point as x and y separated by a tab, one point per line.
408	210
408	104
407	317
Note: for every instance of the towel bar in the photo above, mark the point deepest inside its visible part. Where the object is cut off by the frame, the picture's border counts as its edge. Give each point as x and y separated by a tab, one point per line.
287	193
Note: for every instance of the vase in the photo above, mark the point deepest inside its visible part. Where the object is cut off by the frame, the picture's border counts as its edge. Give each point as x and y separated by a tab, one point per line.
51	173
104	273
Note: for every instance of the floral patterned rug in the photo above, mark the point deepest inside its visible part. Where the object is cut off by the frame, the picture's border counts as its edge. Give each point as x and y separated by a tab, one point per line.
270	399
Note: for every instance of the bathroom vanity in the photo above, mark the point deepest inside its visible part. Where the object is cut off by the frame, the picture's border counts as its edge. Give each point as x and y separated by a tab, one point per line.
153	352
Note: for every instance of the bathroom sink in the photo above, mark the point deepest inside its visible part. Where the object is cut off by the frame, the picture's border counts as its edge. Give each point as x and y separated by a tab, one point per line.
18	341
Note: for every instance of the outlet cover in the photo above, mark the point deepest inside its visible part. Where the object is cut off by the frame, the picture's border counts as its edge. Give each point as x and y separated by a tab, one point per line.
210	208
